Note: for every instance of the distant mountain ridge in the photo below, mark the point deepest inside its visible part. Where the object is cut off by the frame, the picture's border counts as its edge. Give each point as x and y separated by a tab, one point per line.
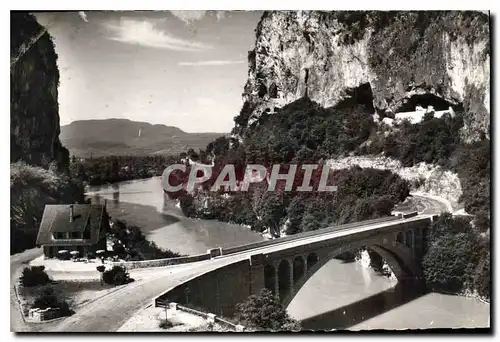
108	137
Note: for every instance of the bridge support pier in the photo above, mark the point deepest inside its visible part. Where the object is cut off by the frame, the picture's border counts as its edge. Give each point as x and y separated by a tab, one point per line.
257	281
276	280
290	278
304	257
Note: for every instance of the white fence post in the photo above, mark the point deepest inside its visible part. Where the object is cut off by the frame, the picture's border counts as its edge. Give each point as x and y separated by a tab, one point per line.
210	318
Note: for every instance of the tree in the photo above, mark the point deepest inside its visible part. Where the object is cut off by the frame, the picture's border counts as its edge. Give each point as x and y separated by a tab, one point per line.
31	188
482	221
457	257
219	146
483	276
34	276
187	205
446	224
446	261
295	212
272	211
311	221
49	299
265	312
118	275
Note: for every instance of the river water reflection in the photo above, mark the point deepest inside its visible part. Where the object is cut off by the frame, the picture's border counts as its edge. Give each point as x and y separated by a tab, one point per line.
143	203
345	295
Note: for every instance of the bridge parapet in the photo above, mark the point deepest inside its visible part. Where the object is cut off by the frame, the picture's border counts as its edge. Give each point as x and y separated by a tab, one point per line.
389	233
163	262
211	318
242	248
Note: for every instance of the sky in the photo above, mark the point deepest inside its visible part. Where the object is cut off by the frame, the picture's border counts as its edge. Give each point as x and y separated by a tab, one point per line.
178	68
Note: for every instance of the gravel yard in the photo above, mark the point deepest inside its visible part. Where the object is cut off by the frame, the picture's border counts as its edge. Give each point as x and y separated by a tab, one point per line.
148	319
77	293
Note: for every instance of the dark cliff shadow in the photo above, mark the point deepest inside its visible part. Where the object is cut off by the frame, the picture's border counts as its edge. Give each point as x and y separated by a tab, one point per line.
362	310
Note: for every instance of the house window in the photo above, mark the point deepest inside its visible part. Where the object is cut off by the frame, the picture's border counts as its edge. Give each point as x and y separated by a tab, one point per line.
64	235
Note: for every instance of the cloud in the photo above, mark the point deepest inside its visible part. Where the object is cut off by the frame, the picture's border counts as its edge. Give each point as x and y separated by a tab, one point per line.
189	16
144	33
83	15
220	15
210	63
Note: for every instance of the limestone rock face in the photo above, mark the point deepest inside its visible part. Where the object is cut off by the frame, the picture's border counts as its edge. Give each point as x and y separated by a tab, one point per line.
398	56
34	78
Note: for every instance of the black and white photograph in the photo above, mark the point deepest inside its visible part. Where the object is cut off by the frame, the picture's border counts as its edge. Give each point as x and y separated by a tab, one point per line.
245	171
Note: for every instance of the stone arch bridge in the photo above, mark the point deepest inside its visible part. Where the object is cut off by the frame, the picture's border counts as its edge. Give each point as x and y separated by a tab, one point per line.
284	265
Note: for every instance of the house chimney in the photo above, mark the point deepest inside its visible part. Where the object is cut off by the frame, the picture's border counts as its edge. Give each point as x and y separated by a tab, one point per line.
71	213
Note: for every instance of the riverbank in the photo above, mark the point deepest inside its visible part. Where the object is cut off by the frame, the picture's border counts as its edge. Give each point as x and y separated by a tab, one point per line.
468	294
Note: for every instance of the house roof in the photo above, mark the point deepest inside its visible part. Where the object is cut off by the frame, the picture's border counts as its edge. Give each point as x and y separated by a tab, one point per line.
56	219
61	223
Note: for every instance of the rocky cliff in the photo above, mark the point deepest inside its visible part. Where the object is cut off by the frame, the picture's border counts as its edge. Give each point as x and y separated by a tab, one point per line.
34	78
390	61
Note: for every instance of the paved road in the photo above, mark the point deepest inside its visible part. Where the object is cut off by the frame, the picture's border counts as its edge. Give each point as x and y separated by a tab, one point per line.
17	262
425	205
430	205
110	312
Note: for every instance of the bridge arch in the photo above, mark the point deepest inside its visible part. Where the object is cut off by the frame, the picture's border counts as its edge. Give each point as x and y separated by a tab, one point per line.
299	268
397	255
400	237
270	278
409	238
284	276
312	260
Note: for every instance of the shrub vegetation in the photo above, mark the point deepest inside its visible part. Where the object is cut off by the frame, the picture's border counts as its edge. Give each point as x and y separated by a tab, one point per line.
34	276
131	244
49	299
457	258
118	275
264	312
31	188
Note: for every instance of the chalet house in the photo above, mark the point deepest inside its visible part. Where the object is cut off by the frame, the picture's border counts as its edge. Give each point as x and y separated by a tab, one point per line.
74	227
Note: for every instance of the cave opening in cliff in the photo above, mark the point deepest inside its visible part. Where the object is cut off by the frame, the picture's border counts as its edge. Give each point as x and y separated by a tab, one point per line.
359	96
426	100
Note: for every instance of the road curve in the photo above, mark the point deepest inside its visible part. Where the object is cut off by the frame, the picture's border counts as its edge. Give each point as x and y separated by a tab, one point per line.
17	262
110	312
432	205
424	204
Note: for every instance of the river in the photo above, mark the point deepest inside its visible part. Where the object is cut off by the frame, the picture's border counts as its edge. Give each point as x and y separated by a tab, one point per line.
345	295
143	203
